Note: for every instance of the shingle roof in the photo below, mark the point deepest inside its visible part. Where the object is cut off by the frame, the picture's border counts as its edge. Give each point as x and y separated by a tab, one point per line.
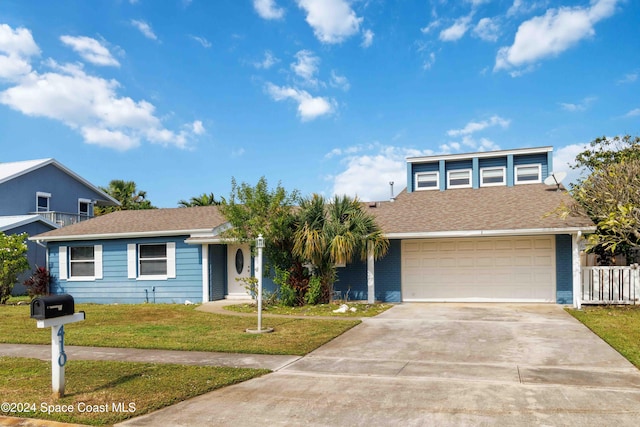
171	221
521	207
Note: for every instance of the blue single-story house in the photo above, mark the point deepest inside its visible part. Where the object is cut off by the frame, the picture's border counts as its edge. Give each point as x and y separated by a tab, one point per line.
468	227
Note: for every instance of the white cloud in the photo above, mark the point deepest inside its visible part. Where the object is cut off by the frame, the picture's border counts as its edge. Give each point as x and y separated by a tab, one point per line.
633	113
197	127
309	107
367	38
16	48
332	21
368	169
432	25
306	67
487	29
428	63
86	103
553	33
629	78
268	61
457	30
340	82
267	9
203	41
144	28
581	106
564	158
473	127
90	50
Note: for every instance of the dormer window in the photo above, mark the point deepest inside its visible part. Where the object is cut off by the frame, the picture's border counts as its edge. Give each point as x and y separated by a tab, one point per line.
528	174
427	181
42	201
492	176
459	178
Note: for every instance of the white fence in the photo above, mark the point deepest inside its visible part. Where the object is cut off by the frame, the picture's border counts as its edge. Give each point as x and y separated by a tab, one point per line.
611	285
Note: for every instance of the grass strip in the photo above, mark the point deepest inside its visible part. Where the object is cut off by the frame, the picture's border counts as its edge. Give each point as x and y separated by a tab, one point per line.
619	326
105	392
174	327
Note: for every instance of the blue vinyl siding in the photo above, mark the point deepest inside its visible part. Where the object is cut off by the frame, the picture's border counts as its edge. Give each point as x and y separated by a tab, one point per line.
353	277
18	196
352	281
388	274
458	164
116	287
564	271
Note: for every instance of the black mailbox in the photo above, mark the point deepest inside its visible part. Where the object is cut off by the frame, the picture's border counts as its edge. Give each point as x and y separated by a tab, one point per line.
52	306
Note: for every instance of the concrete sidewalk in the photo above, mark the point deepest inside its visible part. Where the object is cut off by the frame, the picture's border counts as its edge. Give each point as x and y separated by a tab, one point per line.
202	358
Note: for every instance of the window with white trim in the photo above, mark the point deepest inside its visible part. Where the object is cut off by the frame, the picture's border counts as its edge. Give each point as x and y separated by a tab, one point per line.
493	176
459	178
84	207
80	262
151	261
427	180
528	174
42	201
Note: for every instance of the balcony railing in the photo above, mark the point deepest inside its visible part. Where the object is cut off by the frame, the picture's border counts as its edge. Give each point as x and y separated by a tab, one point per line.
62	218
611	285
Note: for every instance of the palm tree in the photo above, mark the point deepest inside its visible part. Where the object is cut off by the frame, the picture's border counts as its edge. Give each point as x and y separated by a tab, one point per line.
127	194
201	200
335	233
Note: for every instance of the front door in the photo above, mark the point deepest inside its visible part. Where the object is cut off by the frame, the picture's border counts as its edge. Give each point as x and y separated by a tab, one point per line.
238	267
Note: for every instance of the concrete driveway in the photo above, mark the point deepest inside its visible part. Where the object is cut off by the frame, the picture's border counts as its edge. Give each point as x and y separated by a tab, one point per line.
436	364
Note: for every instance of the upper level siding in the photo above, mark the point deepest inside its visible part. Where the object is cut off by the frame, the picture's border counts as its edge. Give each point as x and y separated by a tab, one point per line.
510	160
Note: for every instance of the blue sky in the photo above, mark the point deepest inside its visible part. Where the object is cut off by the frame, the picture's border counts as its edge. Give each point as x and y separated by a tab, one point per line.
326	96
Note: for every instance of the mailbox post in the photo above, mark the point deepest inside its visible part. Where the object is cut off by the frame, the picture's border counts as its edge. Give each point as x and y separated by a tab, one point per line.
55	311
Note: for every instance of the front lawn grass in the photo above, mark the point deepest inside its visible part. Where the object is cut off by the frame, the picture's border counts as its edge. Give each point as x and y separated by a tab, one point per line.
103	393
174	327
619	326
361	309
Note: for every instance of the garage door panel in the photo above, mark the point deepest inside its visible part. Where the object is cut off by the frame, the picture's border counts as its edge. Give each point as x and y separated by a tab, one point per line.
482	269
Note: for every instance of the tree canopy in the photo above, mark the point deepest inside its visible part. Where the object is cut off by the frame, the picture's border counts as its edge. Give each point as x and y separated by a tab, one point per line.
201	200
13	261
610	194
127	194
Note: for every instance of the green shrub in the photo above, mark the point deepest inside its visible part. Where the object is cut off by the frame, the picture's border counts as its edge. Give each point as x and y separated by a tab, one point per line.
314	293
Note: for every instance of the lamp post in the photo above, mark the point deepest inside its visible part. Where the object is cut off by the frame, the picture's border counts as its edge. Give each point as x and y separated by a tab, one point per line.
260	246
258	274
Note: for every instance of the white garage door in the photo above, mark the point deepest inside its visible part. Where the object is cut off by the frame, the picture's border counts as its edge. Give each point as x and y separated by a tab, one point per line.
479	269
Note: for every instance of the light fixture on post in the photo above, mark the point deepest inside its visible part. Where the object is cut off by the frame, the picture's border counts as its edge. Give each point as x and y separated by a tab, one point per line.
258	274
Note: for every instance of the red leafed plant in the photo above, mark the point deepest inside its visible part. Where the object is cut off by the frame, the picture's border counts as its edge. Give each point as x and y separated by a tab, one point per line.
38	283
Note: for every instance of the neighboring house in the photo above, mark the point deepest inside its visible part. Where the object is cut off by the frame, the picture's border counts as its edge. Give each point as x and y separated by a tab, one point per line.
469	227
41	195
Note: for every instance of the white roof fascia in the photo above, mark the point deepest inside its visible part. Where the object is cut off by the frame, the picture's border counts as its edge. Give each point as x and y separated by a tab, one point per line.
114	236
481	154
490	233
